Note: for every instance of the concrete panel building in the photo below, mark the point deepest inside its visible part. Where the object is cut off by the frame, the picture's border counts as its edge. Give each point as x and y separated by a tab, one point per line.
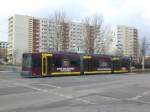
3	50
30	34
123	41
20	33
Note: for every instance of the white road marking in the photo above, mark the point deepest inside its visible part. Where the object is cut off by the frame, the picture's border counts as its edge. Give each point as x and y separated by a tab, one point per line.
85	101
139	96
51	85
6	71
111	98
55	93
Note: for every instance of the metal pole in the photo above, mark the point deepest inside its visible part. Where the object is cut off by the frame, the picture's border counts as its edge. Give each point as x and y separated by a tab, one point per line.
143	63
143	53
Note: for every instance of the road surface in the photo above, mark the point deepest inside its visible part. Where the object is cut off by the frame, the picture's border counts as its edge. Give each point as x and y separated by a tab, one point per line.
93	93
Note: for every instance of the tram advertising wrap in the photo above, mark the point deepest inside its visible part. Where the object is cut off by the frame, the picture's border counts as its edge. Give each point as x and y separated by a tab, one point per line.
67	63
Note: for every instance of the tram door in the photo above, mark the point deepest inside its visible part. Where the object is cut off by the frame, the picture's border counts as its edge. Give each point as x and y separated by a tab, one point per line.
46	64
87	64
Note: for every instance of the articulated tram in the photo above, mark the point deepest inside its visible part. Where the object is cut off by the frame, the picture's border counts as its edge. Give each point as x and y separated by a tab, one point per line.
66	63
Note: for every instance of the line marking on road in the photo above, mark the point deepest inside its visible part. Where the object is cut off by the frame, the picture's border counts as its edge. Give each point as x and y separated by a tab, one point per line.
55	93
85	101
50	85
7	71
111	98
139	96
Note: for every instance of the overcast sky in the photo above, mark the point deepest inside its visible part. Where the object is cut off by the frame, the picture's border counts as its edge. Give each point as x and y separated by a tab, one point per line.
134	13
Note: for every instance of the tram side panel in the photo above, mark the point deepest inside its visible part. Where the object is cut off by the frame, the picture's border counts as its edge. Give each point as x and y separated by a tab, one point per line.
120	64
125	64
65	64
51	64
36	64
96	64
101	64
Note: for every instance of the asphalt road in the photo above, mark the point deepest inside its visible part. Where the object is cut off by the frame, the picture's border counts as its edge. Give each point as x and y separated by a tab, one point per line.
93	93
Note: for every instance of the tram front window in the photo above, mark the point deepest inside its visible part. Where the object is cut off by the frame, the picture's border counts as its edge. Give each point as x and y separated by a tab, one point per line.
27	61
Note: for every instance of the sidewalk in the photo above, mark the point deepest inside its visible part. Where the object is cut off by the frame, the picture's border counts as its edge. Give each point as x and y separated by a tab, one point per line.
140	70
10	68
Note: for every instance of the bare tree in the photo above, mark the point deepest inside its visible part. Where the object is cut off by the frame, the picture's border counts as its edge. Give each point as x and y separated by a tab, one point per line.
143	52
87	34
92	27
59	19
104	35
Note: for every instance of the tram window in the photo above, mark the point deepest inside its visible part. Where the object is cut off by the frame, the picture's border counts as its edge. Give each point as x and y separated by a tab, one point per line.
103	64
24	61
70	63
116	63
95	63
57	62
74	63
85	63
125	63
49	61
36	62
27	60
66	63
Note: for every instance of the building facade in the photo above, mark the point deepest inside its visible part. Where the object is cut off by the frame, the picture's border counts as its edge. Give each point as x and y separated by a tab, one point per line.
71	38
30	34
76	37
123	41
20	37
3	51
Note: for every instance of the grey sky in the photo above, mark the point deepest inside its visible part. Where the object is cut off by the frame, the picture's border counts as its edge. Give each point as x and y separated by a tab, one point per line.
122	12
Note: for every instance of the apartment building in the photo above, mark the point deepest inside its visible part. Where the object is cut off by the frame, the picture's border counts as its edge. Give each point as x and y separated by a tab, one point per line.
76	37
123	41
71	36
20	33
111	41
30	34
48	33
3	50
